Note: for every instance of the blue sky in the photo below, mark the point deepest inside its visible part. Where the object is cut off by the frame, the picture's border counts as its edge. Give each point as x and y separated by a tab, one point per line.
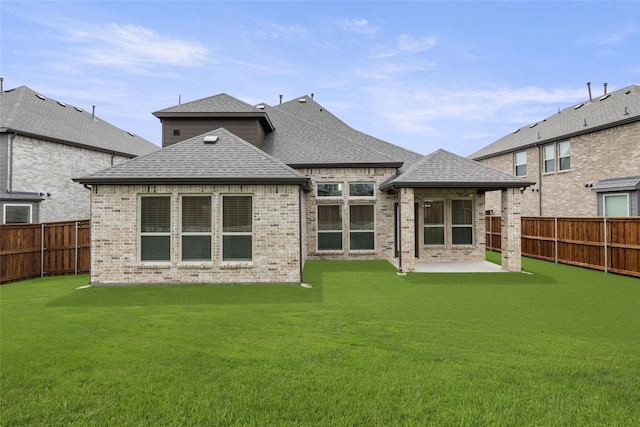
420	74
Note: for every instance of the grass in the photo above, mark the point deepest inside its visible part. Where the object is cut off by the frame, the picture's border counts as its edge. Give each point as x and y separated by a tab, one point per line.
364	346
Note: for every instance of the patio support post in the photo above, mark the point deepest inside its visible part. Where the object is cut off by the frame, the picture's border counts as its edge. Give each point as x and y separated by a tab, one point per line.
511	233
407	229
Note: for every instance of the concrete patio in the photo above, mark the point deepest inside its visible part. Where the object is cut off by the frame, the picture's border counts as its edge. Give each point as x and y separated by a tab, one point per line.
454	267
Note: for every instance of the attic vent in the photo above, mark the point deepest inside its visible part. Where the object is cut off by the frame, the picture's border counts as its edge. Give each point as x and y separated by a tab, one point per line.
79	110
302	100
517	130
578	106
40	96
260	107
602	98
533	125
130	134
210	139
62	104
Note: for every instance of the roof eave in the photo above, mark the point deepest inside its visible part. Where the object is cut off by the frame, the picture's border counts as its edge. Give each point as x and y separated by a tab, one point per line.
260	115
302	181
485	186
395	165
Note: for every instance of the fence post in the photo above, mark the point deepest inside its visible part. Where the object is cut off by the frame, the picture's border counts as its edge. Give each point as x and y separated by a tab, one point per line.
76	263
42	250
606	257
555	237
490	233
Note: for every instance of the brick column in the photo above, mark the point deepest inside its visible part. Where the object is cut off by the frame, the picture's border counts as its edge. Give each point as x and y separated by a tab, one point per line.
511	235
407	229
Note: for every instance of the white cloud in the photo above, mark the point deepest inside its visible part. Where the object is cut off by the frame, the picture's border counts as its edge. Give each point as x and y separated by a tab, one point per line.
408	44
136	48
601	39
358	26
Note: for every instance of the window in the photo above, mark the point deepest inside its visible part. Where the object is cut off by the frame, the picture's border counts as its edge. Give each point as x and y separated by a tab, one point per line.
17	214
549	158
361	228
330	228
155	228
433	222
361	189
564	155
330	189
520	161
616	205
462	222
196	228
237	228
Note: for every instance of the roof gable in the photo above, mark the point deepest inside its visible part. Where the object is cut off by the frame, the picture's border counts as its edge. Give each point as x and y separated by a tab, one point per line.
614	109
229	160
26	112
442	169
221	103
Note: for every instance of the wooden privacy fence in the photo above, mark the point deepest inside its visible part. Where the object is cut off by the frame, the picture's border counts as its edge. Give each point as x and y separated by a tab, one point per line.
44	249
611	244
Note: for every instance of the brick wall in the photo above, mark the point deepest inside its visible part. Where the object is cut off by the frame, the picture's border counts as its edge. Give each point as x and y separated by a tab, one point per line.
114	237
48	167
384	212
610	153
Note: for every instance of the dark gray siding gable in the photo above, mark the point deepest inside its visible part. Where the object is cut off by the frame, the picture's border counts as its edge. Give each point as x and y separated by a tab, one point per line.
179	129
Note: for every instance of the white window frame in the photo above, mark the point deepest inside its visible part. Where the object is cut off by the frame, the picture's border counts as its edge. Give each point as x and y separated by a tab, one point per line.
560	157
340	187
604	202
442	226
142	234
341	230
546	159
369	231
471	226
183	233
516	164
223	233
4	217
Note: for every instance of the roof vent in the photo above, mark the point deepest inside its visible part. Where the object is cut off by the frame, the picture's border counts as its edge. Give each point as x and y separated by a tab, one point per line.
578	106
302	100
260	106
62	104
79	110
210	139
533	125
40	96
602	98
130	133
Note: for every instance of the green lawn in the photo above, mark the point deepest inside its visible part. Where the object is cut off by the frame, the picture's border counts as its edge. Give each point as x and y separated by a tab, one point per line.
362	347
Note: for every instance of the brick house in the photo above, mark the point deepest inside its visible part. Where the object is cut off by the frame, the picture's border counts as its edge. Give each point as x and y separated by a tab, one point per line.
242	193
585	159
43	144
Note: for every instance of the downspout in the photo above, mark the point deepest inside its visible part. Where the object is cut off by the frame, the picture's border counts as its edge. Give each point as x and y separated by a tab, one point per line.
399	227
540	166
300	230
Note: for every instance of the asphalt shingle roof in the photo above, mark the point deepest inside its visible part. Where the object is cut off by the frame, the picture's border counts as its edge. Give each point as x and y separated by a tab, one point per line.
221	103
307	134
442	169
230	160
616	108
24	111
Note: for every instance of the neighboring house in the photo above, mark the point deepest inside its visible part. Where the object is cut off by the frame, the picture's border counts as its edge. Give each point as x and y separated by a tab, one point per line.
43	144
244	193
585	159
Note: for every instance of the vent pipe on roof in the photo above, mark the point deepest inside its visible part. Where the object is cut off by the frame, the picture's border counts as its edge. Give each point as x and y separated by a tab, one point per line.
280	99
93	112
311	95
1	85
605	88
589	87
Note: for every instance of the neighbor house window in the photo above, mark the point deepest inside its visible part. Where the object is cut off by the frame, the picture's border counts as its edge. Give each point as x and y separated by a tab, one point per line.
549	153
17	214
520	161
361	189
434	222
237	228
330	227
155	228
616	205
564	155
462	222
329	189
361	228
196	228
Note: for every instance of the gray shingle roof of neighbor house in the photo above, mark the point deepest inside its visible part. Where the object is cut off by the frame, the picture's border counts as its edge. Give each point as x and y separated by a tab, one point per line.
613	109
442	169
627	183
306	135
29	113
226	159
